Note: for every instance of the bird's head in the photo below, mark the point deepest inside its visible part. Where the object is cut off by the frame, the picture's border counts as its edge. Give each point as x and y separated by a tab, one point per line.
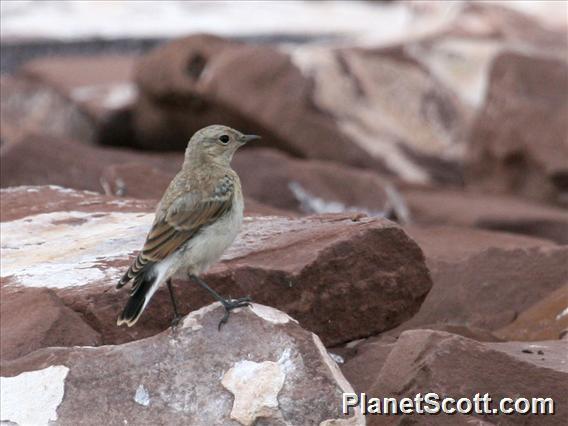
215	144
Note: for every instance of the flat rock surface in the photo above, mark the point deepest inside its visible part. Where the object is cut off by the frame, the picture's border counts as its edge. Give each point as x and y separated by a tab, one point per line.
334	273
263	368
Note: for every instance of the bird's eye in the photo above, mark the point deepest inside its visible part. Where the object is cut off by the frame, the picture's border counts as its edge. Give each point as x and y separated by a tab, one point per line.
224	139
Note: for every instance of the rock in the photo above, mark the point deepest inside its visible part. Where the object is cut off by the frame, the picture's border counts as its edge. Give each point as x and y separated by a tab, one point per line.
471	332
367	356
362	369
460	63
205	79
40	160
484	279
112	171
265	369
136	180
519	143
173	104
547	319
23	201
100	85
513	27
284	182
390	108
424	361
37	318
323	270
486	211
461	53
29	108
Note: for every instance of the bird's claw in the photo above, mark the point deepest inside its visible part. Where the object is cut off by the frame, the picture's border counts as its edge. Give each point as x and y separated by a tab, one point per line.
231	304
175	322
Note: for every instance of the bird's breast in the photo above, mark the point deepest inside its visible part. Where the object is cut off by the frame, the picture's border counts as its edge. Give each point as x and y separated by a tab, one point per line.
208	245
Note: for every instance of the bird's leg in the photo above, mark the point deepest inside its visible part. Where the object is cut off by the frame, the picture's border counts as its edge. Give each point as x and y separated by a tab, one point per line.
177	316
228	304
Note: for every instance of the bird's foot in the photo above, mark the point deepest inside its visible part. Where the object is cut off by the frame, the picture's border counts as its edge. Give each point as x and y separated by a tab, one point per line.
231	304
175	322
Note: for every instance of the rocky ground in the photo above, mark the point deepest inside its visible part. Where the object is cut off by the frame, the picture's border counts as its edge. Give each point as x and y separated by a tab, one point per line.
406	226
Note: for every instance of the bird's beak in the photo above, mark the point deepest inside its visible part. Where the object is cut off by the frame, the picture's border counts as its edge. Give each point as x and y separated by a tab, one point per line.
250	138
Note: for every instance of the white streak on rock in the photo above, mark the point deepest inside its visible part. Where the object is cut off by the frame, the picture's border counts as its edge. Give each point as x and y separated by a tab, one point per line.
255	387
32	398
113	96
141	396
562	314
286	362
68	249
270	314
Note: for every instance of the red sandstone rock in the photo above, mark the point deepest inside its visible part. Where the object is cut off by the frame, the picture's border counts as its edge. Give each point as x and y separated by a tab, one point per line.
547	319
312	186
30	107
423	361
486	211
99	85
36	318
484	279
40	160
519	143
341	276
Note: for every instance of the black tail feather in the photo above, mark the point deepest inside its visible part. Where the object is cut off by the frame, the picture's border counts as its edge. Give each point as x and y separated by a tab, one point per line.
133	309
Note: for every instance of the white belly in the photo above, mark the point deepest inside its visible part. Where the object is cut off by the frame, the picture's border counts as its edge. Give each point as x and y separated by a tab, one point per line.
208	245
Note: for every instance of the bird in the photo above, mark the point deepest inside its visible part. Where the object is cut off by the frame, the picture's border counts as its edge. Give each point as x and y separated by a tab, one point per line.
197	219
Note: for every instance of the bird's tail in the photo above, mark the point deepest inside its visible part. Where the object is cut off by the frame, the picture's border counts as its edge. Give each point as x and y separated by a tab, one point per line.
145	284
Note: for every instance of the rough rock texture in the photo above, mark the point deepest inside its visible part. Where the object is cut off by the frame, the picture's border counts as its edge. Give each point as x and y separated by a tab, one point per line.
547	319
37	318
28	107
431	361
484	279
38	160
276	179
519	143
341	276
100	85
264	369
486	211
390	108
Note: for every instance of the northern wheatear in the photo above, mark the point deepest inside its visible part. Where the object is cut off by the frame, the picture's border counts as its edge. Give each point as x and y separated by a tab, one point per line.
198	217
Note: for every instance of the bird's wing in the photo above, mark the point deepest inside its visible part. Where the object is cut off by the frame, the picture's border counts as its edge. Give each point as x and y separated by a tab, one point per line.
179	223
